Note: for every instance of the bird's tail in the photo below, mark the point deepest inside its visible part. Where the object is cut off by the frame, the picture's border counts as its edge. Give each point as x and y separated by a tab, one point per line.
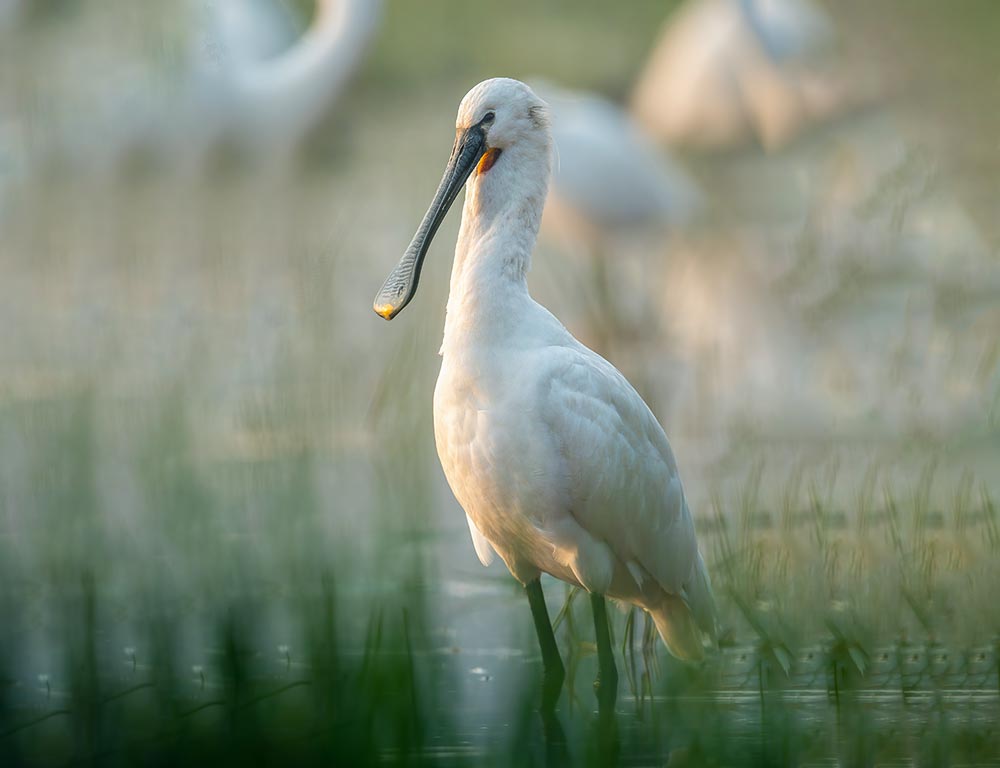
686	622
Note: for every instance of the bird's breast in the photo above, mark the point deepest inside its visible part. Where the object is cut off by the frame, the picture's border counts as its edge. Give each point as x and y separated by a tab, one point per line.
496	454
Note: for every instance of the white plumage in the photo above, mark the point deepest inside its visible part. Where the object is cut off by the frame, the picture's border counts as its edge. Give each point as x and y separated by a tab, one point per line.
559	464
725	71
246	75
264	83
249	32
609	176
567	472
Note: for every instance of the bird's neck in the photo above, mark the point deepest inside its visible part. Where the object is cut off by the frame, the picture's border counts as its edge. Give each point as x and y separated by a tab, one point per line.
300	79
500	220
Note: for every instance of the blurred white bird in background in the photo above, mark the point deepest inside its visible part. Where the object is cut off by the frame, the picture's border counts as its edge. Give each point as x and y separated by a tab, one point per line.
818	290
609	177
11	159
266	84
250	32
247	73
611	185
9	10
728	71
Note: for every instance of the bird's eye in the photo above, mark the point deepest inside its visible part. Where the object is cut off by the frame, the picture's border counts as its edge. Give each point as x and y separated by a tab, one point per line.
489	117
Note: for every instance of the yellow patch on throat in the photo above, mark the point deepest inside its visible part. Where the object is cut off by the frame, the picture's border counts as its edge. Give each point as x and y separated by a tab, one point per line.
486	161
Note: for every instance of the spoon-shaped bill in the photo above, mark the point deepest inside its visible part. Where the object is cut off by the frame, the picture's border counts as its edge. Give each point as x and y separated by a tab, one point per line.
401	284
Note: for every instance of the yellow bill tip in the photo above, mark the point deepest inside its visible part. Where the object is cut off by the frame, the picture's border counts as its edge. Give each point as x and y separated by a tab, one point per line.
384	310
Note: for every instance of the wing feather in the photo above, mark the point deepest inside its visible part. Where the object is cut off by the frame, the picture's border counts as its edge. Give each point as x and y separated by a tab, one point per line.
624	486
484	550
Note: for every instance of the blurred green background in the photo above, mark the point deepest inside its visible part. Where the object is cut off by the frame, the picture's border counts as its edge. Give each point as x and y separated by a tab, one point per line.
224	532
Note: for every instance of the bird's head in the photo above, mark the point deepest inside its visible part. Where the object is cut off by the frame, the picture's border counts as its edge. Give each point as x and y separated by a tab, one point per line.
497	116
507	114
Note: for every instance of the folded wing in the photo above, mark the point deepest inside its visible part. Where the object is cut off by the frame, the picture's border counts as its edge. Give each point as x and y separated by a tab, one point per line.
624	486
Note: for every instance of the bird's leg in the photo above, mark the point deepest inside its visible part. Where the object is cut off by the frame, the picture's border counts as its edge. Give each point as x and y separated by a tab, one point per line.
552	666
607	681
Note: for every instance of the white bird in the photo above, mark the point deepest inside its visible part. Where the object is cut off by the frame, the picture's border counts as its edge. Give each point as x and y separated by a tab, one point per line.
266	85
609	175
725	71
247	76
611	187
559	464
252	31
9	11
10	130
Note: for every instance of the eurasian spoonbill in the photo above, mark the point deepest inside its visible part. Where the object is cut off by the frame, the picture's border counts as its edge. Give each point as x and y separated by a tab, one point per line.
725	71
609	176
249	32
273	100
246	76
559	464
